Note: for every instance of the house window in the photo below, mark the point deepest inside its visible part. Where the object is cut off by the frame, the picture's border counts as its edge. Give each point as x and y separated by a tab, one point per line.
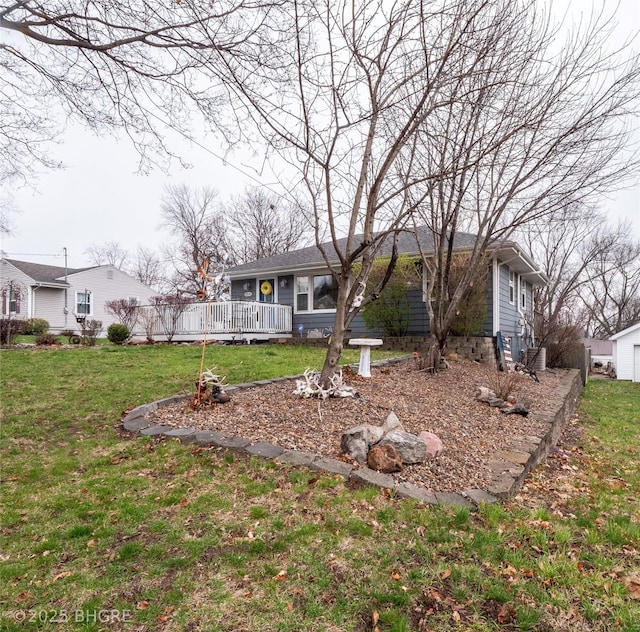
523	294
302	294
133	301
512	287
325	293
83	303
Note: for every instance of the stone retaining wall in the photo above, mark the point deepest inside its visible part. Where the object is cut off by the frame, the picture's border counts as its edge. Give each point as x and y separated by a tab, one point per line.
508	468
476	348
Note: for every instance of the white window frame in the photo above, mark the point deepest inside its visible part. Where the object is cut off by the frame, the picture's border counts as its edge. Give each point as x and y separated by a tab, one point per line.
523	294
310	309
512	287
88	294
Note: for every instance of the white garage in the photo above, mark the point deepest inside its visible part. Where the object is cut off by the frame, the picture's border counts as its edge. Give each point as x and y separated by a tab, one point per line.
626	353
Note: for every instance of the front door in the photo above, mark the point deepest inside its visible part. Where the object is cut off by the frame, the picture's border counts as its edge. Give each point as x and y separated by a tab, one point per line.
266	290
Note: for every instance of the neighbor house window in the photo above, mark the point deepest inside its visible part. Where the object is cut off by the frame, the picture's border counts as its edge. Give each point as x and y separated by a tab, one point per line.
512	287
83	303
324	289
133	301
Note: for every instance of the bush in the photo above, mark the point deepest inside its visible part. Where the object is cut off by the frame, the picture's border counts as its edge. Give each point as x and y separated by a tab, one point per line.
36	326
91	330
9	329
118	333
47	339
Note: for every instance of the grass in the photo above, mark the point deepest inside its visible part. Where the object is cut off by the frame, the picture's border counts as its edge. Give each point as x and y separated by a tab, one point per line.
101	530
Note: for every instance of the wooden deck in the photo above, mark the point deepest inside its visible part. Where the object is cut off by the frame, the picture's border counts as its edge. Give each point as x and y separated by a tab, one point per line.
235	321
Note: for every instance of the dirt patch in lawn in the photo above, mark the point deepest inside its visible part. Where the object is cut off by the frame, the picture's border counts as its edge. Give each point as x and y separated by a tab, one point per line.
442	403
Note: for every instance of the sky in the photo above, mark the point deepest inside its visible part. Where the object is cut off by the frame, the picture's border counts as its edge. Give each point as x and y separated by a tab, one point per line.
99	196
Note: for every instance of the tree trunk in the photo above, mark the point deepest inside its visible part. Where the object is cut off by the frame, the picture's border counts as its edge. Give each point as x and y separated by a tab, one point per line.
336	341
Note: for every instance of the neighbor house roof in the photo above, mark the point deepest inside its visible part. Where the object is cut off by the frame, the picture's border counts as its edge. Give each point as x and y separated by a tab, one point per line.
53	276
625	332
311	257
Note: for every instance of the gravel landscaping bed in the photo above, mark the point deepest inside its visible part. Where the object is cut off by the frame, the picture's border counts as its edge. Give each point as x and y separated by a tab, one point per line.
442	403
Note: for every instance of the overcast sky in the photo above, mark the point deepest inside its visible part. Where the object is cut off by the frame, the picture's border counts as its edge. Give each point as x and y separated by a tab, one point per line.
100	198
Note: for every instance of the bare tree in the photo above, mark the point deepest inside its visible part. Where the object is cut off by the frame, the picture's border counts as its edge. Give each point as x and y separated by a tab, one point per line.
110	253
532	127
261	224
113	65
197	225
344	105
566	246
147	267
611	294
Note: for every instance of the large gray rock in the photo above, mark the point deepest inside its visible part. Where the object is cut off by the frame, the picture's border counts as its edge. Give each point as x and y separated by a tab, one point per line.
411	447
391	422
356	441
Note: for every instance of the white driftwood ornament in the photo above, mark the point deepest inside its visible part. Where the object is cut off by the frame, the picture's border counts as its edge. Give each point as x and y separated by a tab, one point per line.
310	386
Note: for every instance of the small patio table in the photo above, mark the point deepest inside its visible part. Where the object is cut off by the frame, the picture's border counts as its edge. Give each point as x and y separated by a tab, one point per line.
365	344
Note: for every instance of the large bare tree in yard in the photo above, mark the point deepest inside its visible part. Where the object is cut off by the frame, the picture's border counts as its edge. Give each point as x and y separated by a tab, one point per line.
345	103
537	124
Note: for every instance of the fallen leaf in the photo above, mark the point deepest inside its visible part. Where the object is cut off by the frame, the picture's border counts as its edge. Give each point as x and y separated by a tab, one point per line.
290	607
395	576
375	617
142	605
633	584
281	576
61	575
445	574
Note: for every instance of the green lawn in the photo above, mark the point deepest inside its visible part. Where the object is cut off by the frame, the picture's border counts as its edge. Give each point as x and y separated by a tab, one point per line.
102	530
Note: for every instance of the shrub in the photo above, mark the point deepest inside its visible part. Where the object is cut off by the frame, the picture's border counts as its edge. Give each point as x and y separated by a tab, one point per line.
47	339
118	333
9	329
505	383
36	326
91	330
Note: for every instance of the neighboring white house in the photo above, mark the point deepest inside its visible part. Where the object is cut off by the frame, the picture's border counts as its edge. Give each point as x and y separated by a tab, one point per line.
32	290
599	350
626	353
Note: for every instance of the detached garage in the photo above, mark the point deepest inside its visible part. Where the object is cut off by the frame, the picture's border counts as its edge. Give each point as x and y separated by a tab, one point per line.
626	353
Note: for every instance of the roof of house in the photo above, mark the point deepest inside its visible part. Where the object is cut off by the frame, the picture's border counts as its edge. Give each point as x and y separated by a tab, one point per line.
311	256
44	274
625	332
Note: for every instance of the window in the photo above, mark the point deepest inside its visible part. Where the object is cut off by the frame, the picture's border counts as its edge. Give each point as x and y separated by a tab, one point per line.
12	305
325	293
523	294
302	294
133	301
83	303
512	287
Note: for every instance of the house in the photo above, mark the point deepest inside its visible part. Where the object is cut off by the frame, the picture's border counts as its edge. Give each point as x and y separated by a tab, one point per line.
626	353
301	279
57	294
601	351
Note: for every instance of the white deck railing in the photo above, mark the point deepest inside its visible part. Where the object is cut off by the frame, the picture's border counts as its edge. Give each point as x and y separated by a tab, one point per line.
226	319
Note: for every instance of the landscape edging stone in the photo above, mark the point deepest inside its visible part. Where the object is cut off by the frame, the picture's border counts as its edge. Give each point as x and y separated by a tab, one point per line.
508	475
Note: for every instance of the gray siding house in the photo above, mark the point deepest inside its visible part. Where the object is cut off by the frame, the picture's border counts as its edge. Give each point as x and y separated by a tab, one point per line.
58	294
301	279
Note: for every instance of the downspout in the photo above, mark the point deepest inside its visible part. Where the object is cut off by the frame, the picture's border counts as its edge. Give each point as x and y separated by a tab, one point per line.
496	296
66	304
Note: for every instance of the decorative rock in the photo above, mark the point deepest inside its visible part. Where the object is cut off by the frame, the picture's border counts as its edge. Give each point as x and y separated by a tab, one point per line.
496	402
384	458
484	394
434	444
412	448
355	442
391	422
521	408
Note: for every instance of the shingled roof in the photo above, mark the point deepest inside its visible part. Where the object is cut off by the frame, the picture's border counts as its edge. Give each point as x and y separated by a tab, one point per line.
45	274
311	256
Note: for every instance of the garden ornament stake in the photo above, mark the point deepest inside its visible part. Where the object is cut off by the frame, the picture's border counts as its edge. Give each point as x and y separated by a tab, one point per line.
215	287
